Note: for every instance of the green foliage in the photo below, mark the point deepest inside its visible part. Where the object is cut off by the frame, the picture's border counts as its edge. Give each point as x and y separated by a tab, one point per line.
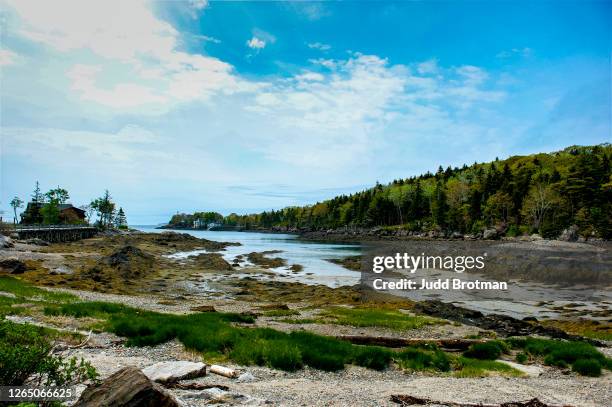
423	359
281	313
562	353
542	193
392	319
214	334
24	290
587	367
25	353
521	357
490	350
466	367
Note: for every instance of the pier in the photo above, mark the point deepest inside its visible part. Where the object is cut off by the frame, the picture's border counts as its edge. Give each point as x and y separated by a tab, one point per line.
54	233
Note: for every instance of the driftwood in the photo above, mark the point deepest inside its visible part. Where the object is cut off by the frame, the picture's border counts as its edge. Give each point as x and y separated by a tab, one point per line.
406	400
390	342
224	371
194	386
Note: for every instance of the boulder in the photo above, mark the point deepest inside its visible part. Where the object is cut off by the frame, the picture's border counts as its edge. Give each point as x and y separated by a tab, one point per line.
6	242
128	387
570	234
174	371
13	265
535	236
489	234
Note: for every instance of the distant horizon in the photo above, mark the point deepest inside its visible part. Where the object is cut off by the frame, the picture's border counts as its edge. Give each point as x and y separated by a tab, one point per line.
250	106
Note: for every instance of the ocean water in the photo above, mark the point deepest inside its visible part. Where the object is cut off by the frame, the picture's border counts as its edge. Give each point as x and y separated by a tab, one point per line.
311	255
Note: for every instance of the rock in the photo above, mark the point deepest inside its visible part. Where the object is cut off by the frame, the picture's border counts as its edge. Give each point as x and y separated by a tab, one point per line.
456	235
174	371
535	236
570	234
246	377
212	261
129	387
13	266
37	242
489	234
529	370
6	242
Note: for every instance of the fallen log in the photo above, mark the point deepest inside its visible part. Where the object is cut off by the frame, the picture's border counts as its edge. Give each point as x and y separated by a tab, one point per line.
224	371
194	386
390	342
407	400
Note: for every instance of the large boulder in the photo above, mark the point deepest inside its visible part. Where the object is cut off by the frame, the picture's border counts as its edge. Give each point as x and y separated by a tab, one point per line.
570	234
489	234
13	265
129	387
6	242
173	371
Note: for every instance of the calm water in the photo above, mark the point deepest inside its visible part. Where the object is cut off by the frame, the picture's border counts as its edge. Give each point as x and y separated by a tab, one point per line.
311	255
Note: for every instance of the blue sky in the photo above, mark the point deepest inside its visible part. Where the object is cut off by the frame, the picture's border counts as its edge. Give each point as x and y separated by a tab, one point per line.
237	106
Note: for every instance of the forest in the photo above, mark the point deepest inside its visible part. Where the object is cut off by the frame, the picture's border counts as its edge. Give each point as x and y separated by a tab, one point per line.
542	193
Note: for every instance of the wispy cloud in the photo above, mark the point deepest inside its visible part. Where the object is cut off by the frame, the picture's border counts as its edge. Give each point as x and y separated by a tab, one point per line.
320	46
256	43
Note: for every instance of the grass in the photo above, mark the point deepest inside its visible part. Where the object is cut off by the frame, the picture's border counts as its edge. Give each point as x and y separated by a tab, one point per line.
27	291
468	367
583	357
487	350
423	359
281	313
373	317
213	334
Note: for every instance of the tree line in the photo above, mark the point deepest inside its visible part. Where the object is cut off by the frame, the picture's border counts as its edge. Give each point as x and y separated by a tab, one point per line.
541	193
46	208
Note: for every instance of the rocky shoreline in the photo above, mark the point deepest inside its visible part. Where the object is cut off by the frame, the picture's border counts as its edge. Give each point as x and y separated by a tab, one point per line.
134	270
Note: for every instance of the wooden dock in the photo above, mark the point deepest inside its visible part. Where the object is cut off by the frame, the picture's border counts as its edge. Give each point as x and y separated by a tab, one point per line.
54	233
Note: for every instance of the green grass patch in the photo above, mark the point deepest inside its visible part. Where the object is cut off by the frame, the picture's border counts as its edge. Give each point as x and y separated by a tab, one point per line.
490	350
427	358
213	334
24	290
298	321
281	313
467	367
374	317
583	357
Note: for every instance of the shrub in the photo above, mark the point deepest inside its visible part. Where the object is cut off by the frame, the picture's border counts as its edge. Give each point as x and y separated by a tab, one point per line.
372	357
587	367
486	351
25	352
562	353
521	357
420	359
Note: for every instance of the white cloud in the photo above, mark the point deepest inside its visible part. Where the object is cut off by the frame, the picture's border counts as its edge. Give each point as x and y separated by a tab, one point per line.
7	57
137	63
320	46
256	43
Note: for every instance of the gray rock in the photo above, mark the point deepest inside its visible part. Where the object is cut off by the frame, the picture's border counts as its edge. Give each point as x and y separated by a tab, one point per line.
173	371
6	242
489	234
13	265
246	377
535	236
570	234
129	387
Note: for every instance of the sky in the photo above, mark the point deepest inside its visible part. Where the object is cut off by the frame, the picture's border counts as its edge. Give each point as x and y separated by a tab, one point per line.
249	106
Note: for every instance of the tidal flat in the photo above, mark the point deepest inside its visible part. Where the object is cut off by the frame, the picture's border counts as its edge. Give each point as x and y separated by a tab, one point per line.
366	344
